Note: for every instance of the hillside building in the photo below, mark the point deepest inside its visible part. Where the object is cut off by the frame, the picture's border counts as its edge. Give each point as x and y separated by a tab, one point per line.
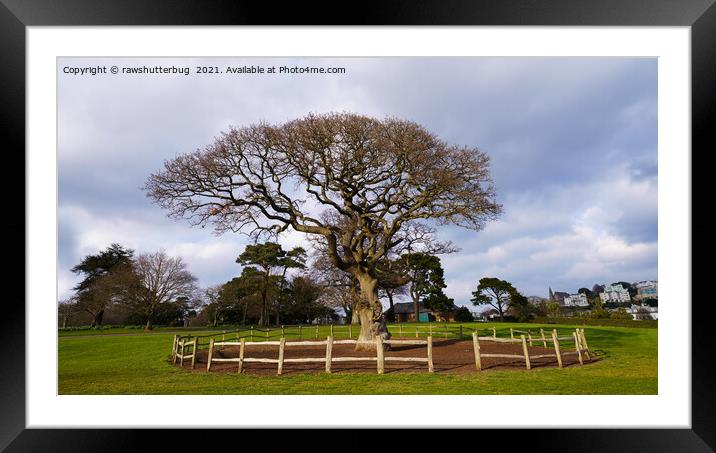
576	300
615	293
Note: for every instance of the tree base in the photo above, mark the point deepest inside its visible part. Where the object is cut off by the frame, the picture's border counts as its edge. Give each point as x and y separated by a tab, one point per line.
369	329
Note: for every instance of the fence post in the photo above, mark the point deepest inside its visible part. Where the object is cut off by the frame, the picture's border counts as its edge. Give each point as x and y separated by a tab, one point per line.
329	353
544	340
446	331
476	347
430	354
174	346
494	332
252	333
577	345
512	334
529	335
283	331
193	354
331	329
300	332
379	352
174	349
556	347
400	326
584	343
211	353
430	328
267	333
416	331
241	354
350	330
281	346
181	357
527	353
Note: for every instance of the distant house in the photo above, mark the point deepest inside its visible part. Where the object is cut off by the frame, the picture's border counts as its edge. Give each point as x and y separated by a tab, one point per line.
405	312
643	312
491	314
648	289
576	300
615	293
557	296
478	316
536	300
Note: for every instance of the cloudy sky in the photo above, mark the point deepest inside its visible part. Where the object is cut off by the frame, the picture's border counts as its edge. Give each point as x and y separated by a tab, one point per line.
573	143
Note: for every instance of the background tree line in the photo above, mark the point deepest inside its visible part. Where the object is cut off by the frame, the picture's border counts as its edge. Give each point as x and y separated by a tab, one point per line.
275	286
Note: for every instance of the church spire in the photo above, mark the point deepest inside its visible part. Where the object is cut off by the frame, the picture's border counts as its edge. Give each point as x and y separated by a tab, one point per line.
551	294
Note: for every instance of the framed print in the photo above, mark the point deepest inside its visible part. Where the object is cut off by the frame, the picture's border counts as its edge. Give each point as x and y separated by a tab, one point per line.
424	217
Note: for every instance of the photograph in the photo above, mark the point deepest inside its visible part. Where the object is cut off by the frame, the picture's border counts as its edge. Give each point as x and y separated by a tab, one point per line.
393	225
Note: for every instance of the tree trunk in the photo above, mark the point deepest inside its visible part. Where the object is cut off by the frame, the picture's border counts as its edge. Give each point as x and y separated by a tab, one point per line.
100	315
264	310
148	326
370	313
279	299
97	319
416	307
389	293
355	297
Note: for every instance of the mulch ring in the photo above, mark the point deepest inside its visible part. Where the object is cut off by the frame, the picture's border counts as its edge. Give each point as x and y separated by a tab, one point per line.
449	356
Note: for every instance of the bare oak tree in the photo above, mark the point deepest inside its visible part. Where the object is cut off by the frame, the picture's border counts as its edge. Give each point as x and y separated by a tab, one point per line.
66	308
162	279
340	289
377	176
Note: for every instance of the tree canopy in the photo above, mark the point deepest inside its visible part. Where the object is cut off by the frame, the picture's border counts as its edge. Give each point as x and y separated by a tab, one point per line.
427	281
161	279
353	180
496	293
97	265
269	257
104	274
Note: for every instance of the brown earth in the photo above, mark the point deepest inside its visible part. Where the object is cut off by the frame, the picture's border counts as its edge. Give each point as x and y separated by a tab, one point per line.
449	356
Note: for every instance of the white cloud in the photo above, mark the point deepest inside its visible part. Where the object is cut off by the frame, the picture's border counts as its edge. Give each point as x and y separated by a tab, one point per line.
579	243
210	258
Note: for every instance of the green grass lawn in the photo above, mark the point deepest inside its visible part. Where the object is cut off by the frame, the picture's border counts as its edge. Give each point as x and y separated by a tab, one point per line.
136	363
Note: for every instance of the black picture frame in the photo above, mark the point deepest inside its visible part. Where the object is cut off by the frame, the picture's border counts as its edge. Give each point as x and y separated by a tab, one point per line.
16	15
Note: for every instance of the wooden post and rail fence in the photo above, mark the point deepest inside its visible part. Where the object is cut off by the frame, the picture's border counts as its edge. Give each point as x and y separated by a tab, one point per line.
328	358
578	336
244	341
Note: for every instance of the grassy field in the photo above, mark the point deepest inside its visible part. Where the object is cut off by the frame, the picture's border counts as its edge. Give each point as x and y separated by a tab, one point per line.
128	361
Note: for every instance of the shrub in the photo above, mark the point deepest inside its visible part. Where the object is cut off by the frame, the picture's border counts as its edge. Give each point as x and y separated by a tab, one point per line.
463	315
